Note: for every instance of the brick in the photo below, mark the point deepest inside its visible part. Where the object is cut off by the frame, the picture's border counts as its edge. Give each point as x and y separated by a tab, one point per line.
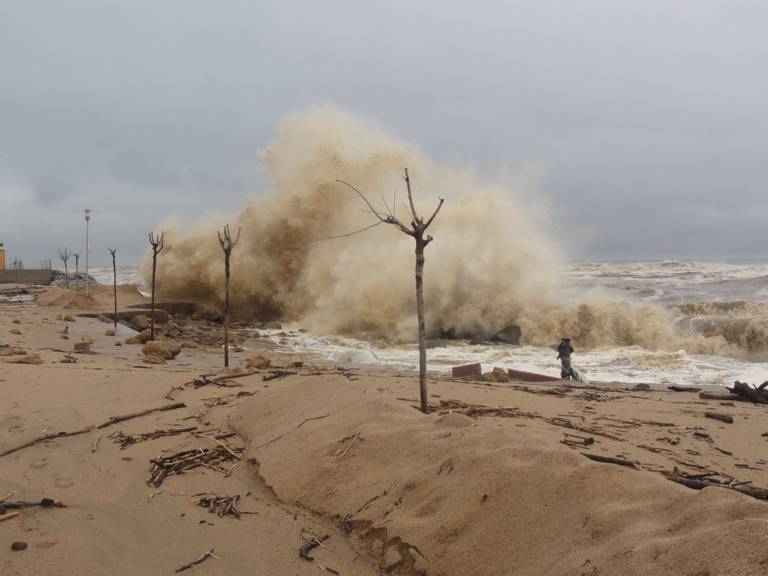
468	371
82	347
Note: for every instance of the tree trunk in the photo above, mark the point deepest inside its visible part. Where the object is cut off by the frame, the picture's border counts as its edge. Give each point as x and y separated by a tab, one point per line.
422	325
66	274
226	309
152	307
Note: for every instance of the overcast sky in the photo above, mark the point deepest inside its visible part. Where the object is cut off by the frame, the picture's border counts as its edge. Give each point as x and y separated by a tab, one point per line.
646	120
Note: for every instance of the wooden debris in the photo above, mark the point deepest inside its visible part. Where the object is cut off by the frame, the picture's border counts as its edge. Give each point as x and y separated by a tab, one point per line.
220	505
676	388
112	420
95	444
180	462
6	505
701	481
126	440
8	516
575	440
153	494
743	391
311	545
200	560
727	418
609	460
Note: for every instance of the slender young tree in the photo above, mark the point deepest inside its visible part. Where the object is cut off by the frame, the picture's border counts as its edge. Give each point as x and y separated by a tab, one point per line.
113	251
64	256
76	256
157	243
417	230
227	244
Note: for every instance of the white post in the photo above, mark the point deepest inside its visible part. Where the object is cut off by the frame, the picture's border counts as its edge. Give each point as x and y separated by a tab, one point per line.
87	246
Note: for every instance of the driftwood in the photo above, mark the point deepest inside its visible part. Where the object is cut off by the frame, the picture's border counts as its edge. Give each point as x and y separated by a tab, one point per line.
180	462
756	394
741	391
676	388
609	460
311	545
701	481
200	560
18	504
126	440
727	418
112	420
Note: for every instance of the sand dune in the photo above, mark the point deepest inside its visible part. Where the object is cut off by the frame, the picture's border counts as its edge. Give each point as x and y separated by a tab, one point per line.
448	495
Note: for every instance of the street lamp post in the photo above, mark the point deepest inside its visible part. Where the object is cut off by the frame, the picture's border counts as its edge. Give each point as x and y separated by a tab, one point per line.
87	246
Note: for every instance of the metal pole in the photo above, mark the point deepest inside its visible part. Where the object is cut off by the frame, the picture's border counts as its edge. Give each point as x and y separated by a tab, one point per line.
87	247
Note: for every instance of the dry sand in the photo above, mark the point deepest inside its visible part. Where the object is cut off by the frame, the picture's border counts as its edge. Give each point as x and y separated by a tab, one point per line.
345	453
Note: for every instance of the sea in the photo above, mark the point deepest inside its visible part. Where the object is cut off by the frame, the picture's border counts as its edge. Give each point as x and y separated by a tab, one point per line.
703	296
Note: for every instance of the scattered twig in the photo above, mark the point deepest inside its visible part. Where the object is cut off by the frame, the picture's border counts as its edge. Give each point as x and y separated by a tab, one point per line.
95	444
126	440
311	545
200	560
153	494
8	516
289	431
220	505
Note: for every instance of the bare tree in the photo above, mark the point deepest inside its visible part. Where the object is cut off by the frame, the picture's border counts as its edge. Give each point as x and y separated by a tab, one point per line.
113	251
64	256
416	229
76	256
227	244
157	243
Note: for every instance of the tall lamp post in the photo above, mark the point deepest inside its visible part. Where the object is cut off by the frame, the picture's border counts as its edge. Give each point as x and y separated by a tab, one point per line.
87	246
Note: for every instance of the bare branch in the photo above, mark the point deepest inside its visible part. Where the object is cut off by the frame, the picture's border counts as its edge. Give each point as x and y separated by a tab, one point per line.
349	233
375	212
439	205
410	196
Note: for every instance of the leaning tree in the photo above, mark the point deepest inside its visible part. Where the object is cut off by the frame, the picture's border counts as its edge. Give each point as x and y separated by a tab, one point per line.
416	229
227	244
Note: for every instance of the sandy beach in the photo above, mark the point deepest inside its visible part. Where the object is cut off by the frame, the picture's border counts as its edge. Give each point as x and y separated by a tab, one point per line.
492	481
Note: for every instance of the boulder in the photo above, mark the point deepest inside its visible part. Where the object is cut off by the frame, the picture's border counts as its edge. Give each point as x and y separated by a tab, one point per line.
509	335
109	333
161	348
141	322
29	358
140	338
258	363
154	359
496	375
